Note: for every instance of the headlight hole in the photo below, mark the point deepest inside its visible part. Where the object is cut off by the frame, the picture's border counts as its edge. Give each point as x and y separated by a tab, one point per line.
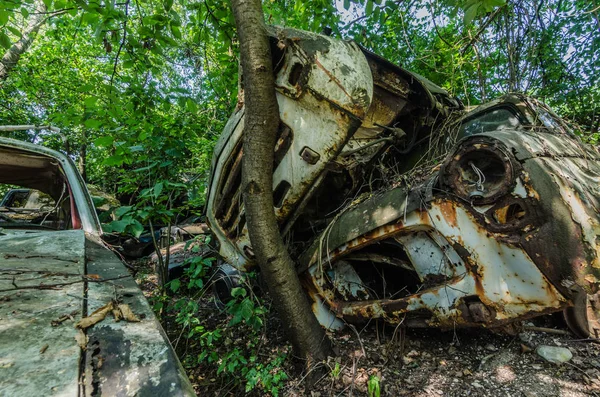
480	174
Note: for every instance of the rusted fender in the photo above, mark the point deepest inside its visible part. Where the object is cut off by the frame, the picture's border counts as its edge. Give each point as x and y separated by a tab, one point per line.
559	177
500	267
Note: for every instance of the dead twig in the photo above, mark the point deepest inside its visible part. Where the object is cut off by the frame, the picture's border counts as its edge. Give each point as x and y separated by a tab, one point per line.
362	348
122	42
547	330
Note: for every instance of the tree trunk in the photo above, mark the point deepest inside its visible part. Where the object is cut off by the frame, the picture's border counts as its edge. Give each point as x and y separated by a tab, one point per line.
12	55
82	161
260	129
83	157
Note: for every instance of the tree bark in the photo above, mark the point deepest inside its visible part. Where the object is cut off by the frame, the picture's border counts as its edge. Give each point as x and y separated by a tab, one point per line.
260	129
82	163
13	54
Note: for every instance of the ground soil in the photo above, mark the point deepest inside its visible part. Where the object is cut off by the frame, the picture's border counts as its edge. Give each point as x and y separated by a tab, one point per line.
417	362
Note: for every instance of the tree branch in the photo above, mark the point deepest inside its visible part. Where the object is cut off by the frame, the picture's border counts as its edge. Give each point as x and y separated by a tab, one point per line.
122	42
481	30
13	54
261	122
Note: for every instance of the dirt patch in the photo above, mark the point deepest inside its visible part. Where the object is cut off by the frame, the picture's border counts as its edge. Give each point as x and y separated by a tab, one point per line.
413	362
461	363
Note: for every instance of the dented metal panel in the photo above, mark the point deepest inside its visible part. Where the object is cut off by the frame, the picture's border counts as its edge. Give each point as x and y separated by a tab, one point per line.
522	246
324	87
51	277
135	357
399	206
504	278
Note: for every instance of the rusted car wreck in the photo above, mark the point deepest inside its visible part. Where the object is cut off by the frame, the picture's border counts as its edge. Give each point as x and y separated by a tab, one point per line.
55	274
402	206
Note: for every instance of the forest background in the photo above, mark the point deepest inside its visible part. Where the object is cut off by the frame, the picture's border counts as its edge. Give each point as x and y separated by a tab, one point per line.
142	89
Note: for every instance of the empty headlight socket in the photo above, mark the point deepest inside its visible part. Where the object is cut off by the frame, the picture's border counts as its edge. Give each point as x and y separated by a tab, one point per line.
480	173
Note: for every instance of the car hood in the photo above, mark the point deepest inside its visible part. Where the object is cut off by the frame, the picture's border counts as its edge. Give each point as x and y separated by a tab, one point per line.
48	281
32	351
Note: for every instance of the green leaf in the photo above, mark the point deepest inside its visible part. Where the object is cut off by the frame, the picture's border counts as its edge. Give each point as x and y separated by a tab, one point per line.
191	106
104	141
346	4
238	291
90	18
4	40
24	12
3	17
146	168
14	31
237	318
119	212
158	188
491	4
246	309
90	102
369	7
176	32
93	124
471	13
137	148
174	285
136	228
119	226
114	160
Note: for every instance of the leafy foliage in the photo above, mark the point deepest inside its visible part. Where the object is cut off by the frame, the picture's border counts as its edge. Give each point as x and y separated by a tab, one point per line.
141	90
230	349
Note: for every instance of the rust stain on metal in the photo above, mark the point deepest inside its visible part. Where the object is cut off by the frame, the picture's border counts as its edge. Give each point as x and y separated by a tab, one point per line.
449	213
334	79
503	226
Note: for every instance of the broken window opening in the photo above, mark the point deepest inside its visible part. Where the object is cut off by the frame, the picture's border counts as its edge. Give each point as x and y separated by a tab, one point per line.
35	192
503	118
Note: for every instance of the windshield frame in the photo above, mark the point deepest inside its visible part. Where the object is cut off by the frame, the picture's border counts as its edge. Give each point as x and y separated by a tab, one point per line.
523	121
81	198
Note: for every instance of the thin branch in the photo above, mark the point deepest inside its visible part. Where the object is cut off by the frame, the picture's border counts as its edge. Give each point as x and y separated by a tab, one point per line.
55	12
349	24
436	27
481	30
122	42
547	330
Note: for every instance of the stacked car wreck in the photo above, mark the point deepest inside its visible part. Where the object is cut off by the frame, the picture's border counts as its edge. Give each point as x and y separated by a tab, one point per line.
400	206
